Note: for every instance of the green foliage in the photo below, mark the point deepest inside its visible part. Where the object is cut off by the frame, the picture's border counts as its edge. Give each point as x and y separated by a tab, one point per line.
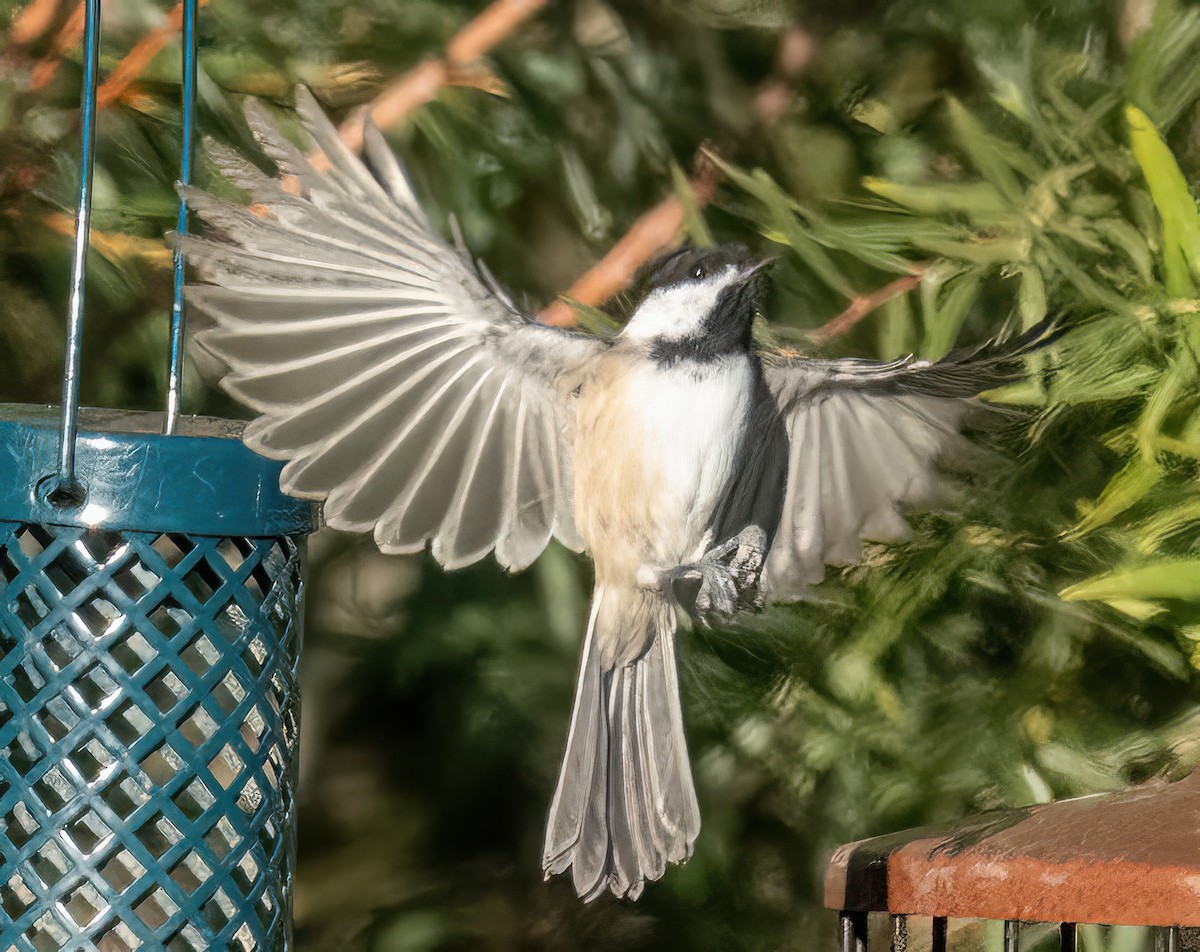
1038	635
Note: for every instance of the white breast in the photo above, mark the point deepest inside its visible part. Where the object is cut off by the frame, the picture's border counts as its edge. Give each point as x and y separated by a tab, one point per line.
687	425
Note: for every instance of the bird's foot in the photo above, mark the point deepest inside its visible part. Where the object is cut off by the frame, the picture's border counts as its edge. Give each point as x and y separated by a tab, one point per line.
725	580
747	568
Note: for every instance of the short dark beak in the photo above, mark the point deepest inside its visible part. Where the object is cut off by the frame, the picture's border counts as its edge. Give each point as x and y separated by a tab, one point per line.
750	272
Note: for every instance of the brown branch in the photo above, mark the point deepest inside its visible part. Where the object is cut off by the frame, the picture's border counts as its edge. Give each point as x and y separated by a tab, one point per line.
69	34
423	82
117	84
660	227
138	58
114	245
489	27
650	235
863	304
1133	19
124	73
32	22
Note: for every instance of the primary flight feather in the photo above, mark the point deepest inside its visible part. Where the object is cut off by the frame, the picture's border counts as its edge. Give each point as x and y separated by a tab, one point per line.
414	399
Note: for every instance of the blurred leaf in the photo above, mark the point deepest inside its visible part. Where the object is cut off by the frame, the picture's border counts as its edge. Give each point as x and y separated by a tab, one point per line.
977	200
1124	490
737	14
1031	295
1164	579
1180	374
1168	187
694	224
594	218
943	325
990	157
1124	236
1162	525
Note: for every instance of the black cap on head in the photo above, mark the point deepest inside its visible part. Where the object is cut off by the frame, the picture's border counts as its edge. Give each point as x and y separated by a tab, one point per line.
690	263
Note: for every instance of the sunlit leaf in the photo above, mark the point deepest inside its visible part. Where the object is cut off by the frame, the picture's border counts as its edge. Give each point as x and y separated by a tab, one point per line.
1124	490
977	200
1153	532
1169	188
1180	374
1031	295
1164	579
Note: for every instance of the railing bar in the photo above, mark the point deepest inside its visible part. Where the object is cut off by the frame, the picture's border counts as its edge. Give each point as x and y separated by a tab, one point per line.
1174	938
938	940
1012	936
188	83
899	933
83	227
853	931
1068	938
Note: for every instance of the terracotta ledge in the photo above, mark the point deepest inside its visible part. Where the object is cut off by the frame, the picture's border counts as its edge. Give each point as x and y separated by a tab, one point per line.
1127	858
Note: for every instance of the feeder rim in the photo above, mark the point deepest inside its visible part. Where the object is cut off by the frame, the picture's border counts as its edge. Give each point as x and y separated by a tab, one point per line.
99	420
202	480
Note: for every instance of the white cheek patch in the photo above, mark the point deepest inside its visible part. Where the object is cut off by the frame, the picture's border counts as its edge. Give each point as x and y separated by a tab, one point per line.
677	311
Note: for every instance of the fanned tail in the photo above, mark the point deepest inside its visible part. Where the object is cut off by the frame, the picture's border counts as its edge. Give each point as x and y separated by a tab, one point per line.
625	805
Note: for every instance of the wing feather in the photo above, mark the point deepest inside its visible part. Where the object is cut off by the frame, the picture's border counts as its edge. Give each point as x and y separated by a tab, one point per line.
428	493
393	381
373	462
865	438
471	522
531	519
322	425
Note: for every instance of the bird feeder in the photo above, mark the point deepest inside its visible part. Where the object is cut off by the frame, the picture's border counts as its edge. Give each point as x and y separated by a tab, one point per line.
150	597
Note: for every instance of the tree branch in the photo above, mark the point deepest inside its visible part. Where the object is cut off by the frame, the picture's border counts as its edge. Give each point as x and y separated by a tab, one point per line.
658	228
138	58
114	245
651	234
69	34
32	22
423	82
863	304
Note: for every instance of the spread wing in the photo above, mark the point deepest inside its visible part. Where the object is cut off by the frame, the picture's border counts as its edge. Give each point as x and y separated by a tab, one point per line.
864	438
415	400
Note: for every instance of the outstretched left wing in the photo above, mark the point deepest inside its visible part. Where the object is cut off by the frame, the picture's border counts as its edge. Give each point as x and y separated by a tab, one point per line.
412	398
865	437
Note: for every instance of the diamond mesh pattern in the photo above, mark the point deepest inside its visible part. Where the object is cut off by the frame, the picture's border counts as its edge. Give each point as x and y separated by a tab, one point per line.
148	727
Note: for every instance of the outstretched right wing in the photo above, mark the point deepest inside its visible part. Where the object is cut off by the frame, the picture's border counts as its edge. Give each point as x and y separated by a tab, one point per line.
864	438
417	402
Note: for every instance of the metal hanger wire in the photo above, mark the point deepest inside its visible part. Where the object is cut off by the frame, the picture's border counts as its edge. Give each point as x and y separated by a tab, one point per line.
64	488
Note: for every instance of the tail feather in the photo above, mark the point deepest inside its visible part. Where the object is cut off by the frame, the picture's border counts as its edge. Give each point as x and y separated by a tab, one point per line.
667	766
574	816
625	805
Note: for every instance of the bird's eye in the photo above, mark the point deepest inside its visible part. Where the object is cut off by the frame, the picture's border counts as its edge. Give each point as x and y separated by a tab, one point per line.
699	273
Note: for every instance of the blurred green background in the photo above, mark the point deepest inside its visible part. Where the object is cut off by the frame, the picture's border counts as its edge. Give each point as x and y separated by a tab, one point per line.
988	145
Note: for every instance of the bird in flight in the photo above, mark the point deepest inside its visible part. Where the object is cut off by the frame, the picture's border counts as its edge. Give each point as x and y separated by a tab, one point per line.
406	391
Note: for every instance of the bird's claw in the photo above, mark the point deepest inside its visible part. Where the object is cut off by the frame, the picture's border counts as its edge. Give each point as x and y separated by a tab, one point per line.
725	579
747	568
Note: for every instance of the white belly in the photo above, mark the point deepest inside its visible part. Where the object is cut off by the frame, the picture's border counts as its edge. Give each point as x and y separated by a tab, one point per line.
691	429
655	453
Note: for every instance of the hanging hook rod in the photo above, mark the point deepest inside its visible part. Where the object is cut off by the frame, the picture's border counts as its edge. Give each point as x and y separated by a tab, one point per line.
67	491
175	367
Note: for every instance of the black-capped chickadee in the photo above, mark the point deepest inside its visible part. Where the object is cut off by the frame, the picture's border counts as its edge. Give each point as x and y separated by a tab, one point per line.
406	391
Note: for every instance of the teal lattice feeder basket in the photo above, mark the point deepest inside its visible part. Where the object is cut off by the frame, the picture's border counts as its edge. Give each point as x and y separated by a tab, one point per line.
148	703
150	616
